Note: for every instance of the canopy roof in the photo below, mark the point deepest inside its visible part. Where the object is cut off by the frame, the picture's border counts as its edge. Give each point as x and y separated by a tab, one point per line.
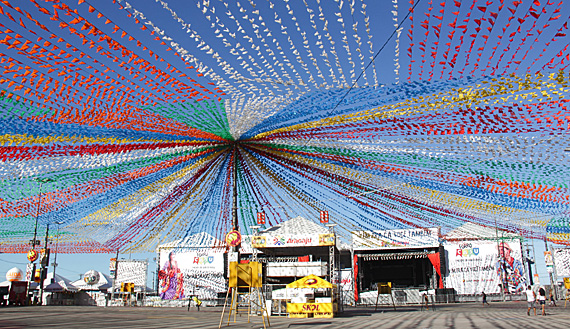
105	282
59	283
310	281
297	225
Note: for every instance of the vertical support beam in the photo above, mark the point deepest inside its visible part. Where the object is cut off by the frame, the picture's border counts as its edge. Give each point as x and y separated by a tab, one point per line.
235	224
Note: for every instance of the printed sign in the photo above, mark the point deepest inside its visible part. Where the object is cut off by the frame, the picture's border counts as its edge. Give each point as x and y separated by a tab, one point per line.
309	308
390	239
299	240
180	272
233	238
475	266
548	261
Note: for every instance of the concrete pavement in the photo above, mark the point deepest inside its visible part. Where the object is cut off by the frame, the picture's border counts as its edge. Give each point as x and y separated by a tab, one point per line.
465	315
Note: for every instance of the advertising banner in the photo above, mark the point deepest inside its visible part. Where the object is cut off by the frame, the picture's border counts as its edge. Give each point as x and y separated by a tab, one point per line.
562	260
191	273
475	267
390	239
131	271
548	261
298	240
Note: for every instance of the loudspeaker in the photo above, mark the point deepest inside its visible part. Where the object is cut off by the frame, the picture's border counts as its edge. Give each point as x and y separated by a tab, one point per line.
442	260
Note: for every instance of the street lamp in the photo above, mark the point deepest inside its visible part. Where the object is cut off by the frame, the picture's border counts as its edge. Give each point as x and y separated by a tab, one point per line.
56	246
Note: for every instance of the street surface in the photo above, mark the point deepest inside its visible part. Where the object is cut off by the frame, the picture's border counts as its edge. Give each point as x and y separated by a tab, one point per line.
465	315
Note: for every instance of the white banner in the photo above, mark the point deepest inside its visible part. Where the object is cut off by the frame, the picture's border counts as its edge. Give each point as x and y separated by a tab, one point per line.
191	273
562	262
297	240
474	266
133	271
391	239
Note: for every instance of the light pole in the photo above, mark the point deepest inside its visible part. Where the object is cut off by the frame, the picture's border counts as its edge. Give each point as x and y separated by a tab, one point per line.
56	246
36	242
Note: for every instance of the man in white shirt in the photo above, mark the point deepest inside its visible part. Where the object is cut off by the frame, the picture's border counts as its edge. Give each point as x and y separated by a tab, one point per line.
530	298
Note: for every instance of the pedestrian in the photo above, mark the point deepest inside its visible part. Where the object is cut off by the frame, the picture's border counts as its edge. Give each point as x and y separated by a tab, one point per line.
484	298
530	298
197	301
542	299
552	301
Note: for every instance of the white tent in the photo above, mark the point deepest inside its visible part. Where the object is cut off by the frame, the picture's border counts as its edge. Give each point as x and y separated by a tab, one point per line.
105	282
58	284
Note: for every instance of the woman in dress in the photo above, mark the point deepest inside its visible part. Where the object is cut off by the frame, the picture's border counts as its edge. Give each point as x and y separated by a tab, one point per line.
172	280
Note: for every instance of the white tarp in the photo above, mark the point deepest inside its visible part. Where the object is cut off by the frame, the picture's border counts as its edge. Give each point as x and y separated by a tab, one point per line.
474	266
562	262
390	239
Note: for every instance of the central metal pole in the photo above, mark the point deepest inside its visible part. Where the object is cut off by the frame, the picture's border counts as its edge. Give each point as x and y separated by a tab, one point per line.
235	225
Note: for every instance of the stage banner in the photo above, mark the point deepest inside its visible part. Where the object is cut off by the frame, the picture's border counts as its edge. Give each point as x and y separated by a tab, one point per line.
562	261
393	239
474	266
297	240
185	273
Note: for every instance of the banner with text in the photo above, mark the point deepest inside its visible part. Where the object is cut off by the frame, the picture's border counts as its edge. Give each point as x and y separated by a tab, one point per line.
297	240
475	266
389	239
190	273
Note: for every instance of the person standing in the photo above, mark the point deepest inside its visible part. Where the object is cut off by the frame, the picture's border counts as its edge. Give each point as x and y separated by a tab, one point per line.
542	299
484	298
530	298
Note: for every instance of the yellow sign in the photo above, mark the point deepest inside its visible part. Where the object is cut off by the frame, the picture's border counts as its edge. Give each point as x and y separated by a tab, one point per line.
326	239
567	283
233	238
309	308
245	275
385	288
258	241
32	255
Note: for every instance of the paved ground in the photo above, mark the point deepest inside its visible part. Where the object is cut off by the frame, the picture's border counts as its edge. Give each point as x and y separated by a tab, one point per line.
466	315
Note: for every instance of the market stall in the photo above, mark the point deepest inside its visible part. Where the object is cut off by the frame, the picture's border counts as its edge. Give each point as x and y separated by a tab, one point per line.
314	297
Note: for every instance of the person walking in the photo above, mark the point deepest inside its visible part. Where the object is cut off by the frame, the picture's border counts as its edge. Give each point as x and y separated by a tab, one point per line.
484	298
552	301
530	298
542	299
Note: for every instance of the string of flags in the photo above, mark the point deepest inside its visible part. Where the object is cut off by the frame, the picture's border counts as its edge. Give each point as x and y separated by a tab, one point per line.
123	121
